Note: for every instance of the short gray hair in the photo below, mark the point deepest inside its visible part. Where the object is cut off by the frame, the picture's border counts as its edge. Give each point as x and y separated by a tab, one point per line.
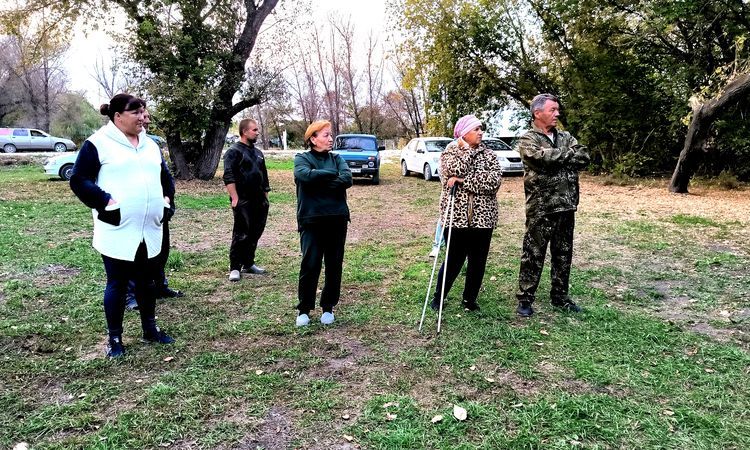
538	102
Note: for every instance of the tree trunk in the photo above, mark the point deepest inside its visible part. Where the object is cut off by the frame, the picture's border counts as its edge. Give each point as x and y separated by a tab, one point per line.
208	161
176	150
703	117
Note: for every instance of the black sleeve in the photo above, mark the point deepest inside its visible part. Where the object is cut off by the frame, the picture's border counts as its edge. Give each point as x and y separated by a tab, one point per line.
264	171
230	161
167	182
83	179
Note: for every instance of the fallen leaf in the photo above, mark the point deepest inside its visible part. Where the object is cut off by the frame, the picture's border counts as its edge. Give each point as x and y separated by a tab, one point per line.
21	446
139	380
82	395
539	344
348	438
574	443
389	404
67	349
473	368
459	413
390	416
668	412
345	417
436	419
493	278
517	405
490	380
709	370
544	332
258	372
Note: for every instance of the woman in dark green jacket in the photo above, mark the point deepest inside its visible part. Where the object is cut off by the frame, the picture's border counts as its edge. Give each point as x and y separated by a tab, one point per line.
322	179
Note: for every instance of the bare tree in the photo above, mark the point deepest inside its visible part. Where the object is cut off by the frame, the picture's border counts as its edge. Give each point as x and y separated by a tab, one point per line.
374	73
345	30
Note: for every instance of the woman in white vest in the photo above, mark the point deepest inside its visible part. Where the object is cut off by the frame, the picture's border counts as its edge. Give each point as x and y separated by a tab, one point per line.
121	176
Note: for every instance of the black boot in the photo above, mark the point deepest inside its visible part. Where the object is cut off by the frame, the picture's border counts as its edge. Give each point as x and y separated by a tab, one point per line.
115	348
156	336
566	304
471	306
524	309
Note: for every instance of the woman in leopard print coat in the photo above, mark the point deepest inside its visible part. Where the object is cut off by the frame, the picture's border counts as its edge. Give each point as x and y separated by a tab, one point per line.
476	172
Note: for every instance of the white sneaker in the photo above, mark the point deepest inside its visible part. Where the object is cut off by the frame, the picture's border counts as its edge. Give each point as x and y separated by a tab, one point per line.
327	318
303	320
434	252
234	275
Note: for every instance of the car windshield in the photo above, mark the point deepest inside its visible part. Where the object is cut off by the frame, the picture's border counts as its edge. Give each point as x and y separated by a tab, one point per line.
496	145
436	146
356	142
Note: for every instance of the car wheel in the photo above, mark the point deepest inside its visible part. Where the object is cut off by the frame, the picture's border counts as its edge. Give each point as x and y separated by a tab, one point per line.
376	178
60	147
427	172
9	148
404	170
66	171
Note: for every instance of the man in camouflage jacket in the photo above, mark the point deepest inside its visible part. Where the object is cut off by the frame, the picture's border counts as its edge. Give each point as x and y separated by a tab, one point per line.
552	159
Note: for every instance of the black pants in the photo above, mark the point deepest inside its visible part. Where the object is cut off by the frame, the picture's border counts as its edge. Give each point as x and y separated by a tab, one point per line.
249	222
471	245
143	271
555	230
321	242
161	278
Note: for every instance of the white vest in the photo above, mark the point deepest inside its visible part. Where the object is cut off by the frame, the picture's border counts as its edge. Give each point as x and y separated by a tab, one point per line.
132	176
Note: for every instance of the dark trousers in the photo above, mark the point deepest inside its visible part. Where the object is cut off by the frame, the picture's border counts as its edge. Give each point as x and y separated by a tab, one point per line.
470	245
321	242
249	222
143	271
161	278
557	231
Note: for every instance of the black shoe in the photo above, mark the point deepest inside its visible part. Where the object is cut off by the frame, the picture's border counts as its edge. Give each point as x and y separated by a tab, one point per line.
130	303
435	304
254	270
115	348
524	309
471	306
566	304
168	292
157	337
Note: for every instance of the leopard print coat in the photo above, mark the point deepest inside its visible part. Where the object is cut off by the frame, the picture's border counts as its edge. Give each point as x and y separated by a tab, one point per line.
476	198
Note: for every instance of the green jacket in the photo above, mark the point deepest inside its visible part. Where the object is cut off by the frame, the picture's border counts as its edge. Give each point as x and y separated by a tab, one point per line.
551	171
322	180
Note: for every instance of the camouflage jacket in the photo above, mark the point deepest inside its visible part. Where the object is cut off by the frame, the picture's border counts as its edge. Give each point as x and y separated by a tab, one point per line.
551	166
476	198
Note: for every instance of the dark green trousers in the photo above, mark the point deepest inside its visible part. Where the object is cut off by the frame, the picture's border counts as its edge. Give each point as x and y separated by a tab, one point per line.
555	230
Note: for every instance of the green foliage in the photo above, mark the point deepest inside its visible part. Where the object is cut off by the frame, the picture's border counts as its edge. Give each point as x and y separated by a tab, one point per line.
624	71
76	120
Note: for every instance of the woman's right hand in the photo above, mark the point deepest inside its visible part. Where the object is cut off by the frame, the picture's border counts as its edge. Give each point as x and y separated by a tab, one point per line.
111	202
453	180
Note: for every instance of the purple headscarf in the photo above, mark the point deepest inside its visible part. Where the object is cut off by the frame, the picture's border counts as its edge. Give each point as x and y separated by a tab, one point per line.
465	124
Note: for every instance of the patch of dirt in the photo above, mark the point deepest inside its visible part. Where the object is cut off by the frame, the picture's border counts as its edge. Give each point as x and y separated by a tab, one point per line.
275	432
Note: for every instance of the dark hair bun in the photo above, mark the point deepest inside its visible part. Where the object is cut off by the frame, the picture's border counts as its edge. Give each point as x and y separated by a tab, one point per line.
104	109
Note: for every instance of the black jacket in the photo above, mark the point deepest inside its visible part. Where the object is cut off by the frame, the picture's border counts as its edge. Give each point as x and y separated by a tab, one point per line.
246	168
322	180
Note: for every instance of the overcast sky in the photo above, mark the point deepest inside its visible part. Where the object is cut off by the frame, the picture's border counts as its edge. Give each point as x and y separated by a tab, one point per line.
86	50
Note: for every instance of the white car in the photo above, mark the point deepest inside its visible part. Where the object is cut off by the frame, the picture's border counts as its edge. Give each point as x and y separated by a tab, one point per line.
510	160
422	155
61	166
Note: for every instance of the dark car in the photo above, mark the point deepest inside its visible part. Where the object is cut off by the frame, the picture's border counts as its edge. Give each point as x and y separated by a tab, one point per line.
361	153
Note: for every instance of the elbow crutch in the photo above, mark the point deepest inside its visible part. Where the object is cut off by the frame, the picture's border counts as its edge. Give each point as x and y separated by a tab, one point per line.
448	211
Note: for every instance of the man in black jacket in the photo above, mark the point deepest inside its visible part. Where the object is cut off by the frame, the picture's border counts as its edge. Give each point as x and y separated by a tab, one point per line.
246	180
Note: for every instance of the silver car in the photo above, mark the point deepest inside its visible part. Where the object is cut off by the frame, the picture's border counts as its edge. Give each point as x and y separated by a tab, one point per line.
14	139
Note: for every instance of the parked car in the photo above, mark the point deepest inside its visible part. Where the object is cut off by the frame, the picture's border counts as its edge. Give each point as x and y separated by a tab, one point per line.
13	139
509	159
422	155
61	166
361	153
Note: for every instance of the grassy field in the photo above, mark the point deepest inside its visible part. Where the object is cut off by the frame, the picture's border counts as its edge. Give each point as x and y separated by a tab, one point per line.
658	359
